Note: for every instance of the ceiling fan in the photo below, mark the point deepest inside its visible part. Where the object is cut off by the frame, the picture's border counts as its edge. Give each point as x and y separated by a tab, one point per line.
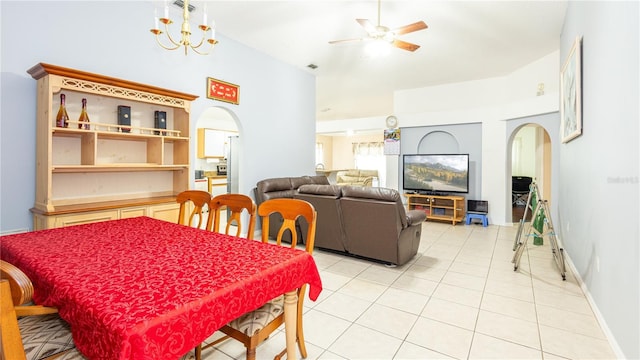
380	32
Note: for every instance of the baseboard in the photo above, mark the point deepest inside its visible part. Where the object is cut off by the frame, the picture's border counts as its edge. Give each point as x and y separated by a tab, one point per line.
603	324
16	231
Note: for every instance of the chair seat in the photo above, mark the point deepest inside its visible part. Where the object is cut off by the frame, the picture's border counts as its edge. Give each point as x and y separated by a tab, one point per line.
73	354
252	322
45	335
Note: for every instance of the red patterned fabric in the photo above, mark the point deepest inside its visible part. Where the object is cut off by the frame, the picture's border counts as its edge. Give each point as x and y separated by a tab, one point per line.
142	288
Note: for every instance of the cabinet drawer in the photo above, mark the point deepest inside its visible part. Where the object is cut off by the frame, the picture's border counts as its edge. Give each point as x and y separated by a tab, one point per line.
166	212
133	212
85	218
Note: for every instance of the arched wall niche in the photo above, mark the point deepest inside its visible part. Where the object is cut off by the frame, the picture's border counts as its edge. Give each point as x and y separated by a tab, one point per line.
438	142
447	139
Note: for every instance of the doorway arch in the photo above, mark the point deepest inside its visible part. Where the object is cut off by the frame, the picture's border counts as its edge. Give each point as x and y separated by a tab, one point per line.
220	118
529	153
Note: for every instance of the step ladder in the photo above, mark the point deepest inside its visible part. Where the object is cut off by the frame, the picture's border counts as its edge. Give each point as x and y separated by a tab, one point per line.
532	200
547	230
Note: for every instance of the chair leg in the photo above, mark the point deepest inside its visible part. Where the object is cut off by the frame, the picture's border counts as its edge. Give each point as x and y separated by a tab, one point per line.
280	355
251	353
198	352
300	339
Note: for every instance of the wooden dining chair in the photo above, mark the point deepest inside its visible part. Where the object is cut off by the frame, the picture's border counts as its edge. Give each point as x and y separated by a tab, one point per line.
235	204
193	203
44	336
254	327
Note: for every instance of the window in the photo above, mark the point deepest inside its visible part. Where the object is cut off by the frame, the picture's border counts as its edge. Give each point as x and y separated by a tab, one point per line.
370	156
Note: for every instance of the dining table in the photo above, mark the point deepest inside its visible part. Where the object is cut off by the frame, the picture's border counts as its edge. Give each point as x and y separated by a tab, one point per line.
142	288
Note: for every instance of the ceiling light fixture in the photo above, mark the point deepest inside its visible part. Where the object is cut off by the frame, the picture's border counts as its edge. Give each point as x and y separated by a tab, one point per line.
378	47
185	37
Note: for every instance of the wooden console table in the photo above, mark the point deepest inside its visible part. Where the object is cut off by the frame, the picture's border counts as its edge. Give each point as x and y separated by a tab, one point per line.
445	208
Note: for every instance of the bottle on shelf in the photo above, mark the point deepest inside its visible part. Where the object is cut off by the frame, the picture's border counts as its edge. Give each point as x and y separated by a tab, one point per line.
62	118
84	117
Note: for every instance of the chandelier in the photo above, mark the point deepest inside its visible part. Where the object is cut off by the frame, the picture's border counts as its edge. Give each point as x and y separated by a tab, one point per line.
185	32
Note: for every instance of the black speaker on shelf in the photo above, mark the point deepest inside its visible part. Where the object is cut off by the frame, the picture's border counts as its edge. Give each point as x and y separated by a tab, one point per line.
160	122
124	117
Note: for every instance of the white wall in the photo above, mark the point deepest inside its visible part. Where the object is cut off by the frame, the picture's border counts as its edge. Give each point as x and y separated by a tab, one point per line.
491	102
113	38
598	201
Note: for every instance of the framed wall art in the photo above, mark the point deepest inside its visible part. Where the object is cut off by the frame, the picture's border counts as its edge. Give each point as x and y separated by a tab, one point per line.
571	93
223	91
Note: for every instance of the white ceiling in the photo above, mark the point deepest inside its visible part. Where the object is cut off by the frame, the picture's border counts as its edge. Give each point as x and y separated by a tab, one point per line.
466	40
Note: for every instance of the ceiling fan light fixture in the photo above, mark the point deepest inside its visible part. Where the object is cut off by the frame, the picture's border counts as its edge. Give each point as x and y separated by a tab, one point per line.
378	48
382	33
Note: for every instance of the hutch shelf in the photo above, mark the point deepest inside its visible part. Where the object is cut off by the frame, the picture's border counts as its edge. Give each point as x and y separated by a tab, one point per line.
108	171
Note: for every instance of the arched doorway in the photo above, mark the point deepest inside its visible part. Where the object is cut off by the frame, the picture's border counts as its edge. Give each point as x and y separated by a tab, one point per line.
222	125
226	127
529	156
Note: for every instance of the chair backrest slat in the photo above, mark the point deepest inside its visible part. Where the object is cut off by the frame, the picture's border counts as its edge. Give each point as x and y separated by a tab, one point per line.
235	204
199	199
290	209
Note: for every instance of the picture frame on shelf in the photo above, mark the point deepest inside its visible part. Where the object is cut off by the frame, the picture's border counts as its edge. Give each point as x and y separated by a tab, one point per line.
571	93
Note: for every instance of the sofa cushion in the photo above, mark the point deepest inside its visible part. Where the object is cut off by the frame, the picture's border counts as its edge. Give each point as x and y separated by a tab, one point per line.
285	187
296	182
326	200
348	179
378	194
375	193
315	189
356	177
276	184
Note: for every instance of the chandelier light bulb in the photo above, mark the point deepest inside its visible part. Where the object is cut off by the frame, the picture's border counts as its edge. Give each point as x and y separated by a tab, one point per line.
185	32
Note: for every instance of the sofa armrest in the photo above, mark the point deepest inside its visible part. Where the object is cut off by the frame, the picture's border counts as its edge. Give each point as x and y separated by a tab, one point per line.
415	217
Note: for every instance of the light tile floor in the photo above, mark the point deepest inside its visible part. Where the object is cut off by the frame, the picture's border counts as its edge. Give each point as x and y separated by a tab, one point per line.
459	298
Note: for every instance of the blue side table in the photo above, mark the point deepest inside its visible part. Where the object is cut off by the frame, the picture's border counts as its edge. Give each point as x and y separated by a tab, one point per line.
483	217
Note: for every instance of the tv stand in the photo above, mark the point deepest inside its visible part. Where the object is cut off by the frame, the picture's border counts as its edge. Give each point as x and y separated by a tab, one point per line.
438	207
433	193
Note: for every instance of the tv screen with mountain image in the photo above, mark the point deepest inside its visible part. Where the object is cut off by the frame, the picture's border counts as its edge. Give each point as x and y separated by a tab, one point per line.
436	173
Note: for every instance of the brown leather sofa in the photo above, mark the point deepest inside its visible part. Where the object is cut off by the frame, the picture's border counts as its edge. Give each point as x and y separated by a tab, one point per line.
285	187
369	222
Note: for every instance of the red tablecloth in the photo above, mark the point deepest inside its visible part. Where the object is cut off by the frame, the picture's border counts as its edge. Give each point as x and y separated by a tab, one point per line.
142	288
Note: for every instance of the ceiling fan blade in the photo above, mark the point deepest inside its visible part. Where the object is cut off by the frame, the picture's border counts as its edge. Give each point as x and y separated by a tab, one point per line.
420	25
345	40
405	45
367	25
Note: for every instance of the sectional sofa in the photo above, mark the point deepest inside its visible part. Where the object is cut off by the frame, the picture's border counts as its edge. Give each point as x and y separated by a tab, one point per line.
367	222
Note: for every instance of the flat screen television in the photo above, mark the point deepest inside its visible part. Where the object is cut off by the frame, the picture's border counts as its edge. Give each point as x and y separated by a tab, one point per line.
436	173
